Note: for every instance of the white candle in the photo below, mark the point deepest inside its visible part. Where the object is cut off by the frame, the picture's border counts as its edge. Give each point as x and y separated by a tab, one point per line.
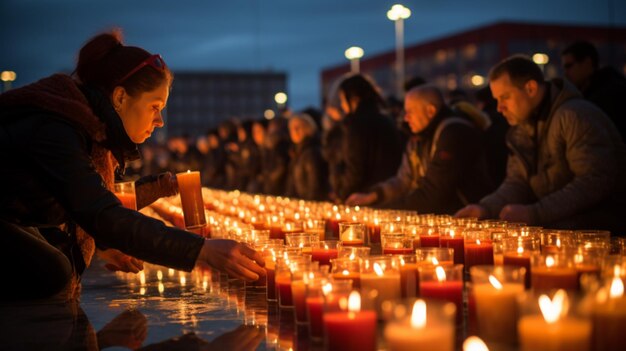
420	333
496	310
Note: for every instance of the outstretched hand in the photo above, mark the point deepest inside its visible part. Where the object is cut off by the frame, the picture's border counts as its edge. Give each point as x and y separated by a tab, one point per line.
237	260
472	210
362	199
119	261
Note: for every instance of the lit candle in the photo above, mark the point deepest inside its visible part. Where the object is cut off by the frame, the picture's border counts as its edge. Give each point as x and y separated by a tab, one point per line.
609	317
421	331
518	258
456	242
191	199
445	283
382	278
351	330
474	343
496	303
552	330
478	252
554	274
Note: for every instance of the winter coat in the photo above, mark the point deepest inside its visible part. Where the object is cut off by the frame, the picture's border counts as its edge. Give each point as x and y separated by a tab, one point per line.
60	144
566	161
443	168
308	173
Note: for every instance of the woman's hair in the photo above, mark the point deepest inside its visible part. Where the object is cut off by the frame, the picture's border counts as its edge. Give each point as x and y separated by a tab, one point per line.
104	61
363	89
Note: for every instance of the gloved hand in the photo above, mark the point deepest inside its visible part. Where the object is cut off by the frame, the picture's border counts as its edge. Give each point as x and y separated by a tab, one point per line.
151	188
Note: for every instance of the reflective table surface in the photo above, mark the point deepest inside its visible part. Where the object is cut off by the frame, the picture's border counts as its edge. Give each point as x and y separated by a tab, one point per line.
158	309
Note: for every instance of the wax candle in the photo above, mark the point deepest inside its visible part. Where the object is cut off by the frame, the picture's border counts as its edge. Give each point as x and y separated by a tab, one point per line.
315	306
409	280
352	243
351	330
478	253
429	240
385	281
127	200
191	199
397	250
283	288
374	231
496	309
519	258
445	284
552	276
298	292
609	317
458	244
551	331
355	277
420	332
270	269
323	255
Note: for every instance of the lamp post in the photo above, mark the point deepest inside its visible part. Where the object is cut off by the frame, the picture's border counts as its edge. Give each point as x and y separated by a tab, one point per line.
541	60
7	77
398	14
354	53
281	99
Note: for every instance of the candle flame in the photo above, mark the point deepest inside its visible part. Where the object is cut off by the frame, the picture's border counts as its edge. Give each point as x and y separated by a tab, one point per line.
578	258
418	317
435	261
474	343
338	216
142	278
452	233
553	309
345	272
170	272
378	269
375	221
441	274
354	302
495	282
477	242
327	288
159	275
549	261
558	242
161	288
617	288
520	250
183	280
617	270
352	256
188	171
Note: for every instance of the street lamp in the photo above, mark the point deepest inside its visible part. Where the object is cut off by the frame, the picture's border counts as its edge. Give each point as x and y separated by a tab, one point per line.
7	77
281	99
354	53
541	60
398	14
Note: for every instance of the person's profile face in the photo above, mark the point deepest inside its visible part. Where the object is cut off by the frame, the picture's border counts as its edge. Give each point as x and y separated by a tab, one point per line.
513	102
142	114
416	113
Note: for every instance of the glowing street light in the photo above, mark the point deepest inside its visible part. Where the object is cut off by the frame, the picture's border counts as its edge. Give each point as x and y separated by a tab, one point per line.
269	114
281	99
7	77
398	14
541	60
354	53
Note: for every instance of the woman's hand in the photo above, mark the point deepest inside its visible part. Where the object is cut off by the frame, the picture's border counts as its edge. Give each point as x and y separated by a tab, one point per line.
237	260
118	261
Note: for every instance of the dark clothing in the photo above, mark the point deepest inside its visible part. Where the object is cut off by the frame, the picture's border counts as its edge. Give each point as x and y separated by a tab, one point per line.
275	167
213	168
49	132
567	163
331	151
370	150
248	164
607	89
495	145
308	174
443	168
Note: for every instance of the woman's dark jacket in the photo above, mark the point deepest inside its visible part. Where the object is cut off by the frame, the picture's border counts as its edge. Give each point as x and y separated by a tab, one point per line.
59	144
308	172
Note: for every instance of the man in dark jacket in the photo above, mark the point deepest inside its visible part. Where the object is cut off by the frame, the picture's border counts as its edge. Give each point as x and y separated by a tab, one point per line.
567	166
443	166
605	87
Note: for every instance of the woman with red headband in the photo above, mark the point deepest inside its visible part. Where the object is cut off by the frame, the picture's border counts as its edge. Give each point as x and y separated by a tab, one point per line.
61	140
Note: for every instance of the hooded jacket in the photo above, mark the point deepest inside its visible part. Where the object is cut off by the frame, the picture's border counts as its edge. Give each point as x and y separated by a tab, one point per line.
565	161
61	143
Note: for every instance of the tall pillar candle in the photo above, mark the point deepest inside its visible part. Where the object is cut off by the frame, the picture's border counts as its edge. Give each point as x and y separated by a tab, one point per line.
191	199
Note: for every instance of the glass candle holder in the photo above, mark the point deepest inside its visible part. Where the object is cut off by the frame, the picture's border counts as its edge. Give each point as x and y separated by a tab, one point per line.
352	234
443	282
324	251
304	241
420	324
373	230
555	241
428	236
452	237
125	192
553	271
608	315
380	273
354	252
409	277
435	255
347	269
495	291
315	227
301	277
517	252
547	323
478	248
396	244
350	328
191	199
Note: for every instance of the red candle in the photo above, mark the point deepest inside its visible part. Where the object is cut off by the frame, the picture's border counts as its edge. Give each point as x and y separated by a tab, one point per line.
456	243
127	200
477	253
446	290
276	232
549	278
429	241
191	198
315	306
587	269
298	292
397	251
519	260
283	286
323	255
409	280
352	242
271	282
374	231
351	330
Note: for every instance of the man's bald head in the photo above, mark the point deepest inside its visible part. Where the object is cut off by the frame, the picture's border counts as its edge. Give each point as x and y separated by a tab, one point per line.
421	105
427	93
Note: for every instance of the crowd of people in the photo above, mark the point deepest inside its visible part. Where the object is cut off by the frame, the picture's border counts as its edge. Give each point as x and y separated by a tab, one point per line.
522	148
